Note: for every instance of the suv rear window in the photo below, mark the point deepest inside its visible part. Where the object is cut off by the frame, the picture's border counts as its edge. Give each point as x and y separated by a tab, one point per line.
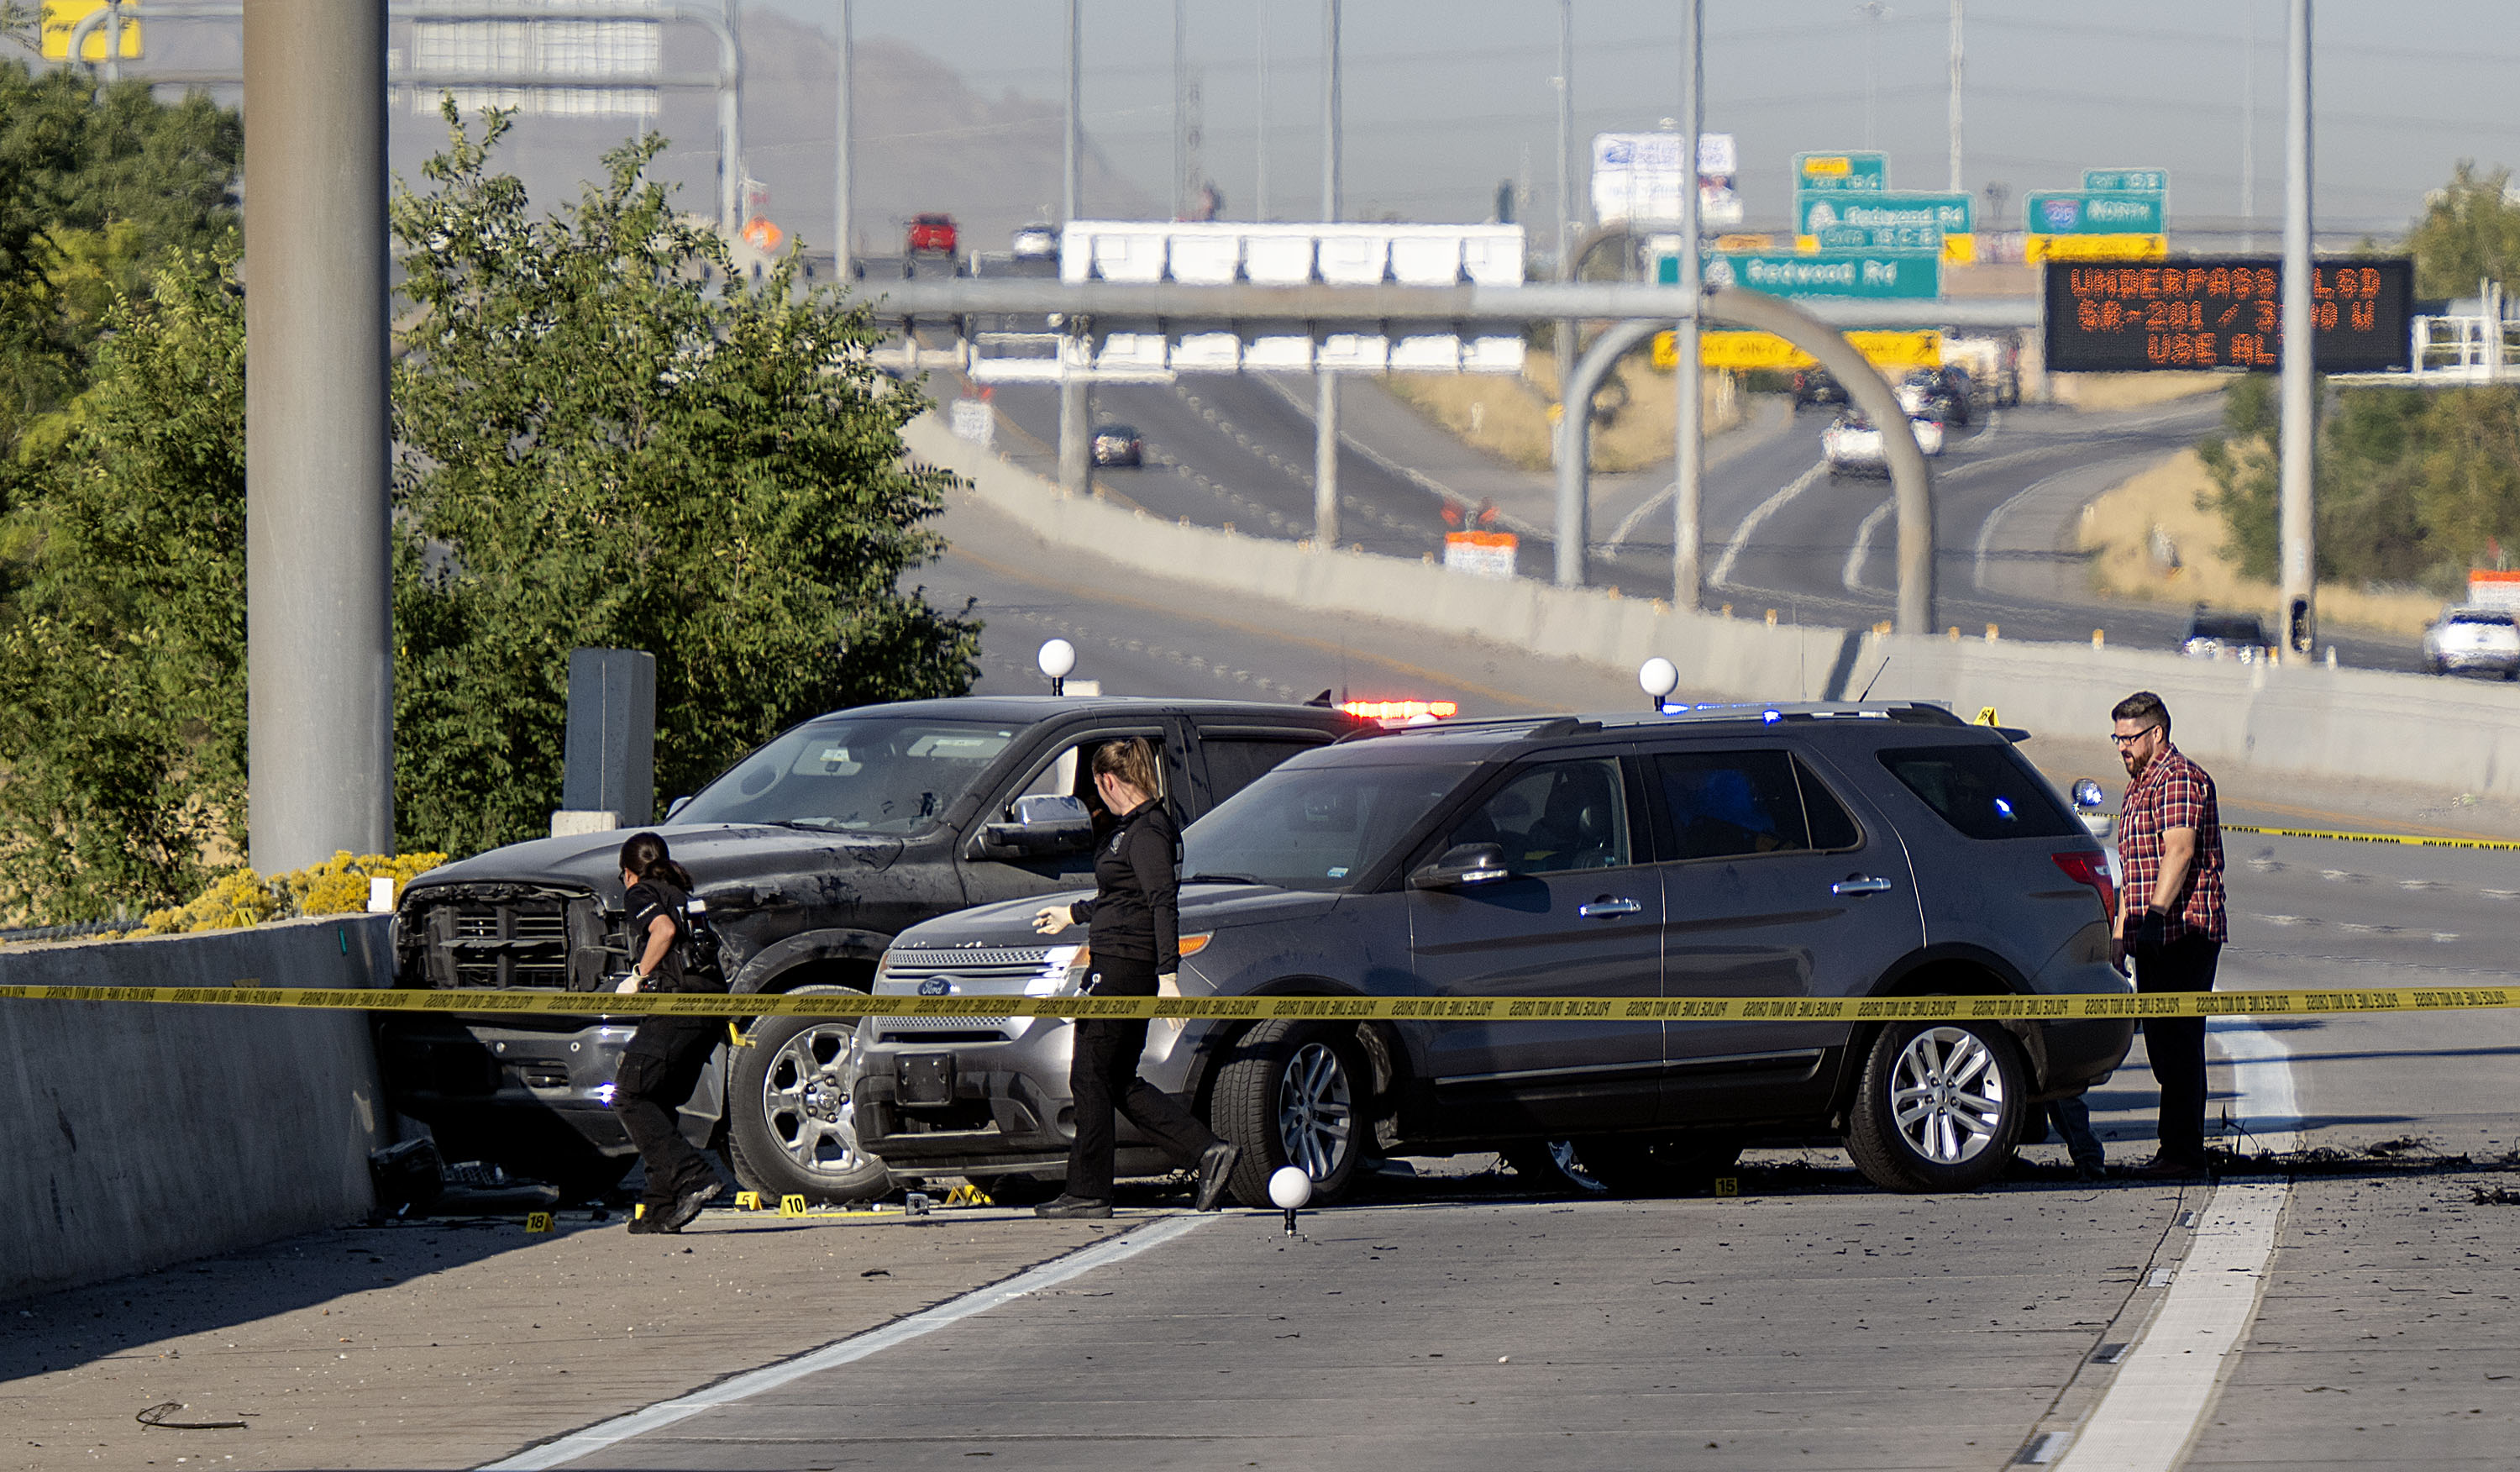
1984	791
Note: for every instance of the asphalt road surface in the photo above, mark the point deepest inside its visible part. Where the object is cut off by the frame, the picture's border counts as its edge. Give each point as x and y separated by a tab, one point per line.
1780	532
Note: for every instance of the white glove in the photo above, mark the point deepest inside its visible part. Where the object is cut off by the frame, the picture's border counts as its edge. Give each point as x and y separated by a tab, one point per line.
629	984
1167	983
1051	919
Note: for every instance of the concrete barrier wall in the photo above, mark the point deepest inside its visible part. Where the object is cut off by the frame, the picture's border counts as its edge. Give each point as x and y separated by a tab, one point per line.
2457	734
134	1136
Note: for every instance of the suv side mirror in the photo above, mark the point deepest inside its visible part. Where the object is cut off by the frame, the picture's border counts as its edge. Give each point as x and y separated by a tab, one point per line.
1461	866
1040	825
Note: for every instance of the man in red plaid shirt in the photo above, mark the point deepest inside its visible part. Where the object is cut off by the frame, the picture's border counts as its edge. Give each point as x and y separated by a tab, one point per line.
2169	844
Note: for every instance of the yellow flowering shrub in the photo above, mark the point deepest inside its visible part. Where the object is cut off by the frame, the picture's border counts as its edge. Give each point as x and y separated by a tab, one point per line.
242	898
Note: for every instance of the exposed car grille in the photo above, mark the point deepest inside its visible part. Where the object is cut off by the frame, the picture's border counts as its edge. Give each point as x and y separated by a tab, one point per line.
507	938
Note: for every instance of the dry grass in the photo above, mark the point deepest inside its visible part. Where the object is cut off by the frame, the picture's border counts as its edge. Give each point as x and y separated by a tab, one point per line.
1509	417
2100	393
2120	526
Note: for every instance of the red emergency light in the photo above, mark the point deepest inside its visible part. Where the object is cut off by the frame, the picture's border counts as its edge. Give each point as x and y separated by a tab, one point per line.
1401	710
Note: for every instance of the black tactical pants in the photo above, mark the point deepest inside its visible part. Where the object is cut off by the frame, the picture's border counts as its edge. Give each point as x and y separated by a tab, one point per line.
1102	1078
659	1069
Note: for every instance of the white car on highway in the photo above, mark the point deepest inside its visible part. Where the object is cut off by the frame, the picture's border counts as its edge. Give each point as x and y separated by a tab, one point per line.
1851	444
2473	640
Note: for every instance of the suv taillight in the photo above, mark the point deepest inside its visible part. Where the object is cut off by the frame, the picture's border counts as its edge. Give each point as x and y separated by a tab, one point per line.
2085	866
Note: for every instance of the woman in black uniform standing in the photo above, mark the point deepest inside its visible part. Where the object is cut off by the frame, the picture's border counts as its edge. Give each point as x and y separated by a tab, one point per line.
663	1063
1134	929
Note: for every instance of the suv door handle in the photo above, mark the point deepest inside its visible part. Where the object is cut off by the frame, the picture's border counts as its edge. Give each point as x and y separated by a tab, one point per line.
1861	884
1602	909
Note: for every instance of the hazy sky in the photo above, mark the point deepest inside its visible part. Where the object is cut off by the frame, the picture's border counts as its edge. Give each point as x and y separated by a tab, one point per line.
1444	98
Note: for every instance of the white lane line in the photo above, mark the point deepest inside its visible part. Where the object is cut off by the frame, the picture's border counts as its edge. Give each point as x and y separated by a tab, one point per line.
595	1437
1986	533
2166	1383
1765	508
2266	1105
2166	1379
1851	577
1628	522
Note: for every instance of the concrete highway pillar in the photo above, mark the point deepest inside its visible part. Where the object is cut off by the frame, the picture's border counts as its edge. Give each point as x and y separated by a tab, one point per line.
1688	377
1326	432
2296	525
319	615
1075	433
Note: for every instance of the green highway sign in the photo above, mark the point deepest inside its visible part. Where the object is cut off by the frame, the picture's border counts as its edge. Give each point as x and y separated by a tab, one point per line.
1829	273
2125	181
1885	221
2094	214
1841	173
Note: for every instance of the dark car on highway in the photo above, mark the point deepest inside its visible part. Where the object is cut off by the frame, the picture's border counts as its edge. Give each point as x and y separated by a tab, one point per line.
1818	386
2213	635
811	855
1118	444
1782	852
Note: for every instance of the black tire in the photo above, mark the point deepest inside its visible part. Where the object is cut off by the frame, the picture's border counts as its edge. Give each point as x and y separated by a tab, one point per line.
1959	1133
1020	1190
788	1129
1295	1093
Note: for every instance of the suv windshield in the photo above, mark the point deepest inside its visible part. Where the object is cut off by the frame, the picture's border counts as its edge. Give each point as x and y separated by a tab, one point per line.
1314	828
881	775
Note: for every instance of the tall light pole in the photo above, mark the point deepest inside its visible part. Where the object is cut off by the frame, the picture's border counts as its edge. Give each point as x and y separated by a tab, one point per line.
2296	528
1954	185
1688	380
1181	117
1260	115
1873	12
1570	559
1326	392
1075	406
841	182
2249	132
319	611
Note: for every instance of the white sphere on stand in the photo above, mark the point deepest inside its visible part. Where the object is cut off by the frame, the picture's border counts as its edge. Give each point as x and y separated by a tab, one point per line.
1290	1187
1657	677
1057	657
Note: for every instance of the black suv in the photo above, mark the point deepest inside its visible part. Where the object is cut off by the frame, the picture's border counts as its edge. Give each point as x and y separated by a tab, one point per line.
1787	850
811	853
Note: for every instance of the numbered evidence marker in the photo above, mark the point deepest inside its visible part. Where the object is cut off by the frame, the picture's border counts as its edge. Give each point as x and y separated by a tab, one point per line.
1728	1185
538	1222
1986	716
748	1201
791	1205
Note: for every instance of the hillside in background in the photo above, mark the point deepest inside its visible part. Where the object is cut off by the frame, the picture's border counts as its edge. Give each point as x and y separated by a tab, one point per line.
925	141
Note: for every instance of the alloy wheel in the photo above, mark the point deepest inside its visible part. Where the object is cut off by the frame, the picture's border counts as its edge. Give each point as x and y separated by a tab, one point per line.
1946	1095
1315	1110
805	1099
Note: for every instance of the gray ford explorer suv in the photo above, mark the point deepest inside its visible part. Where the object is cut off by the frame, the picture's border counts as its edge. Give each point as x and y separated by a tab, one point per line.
810	853
1787	850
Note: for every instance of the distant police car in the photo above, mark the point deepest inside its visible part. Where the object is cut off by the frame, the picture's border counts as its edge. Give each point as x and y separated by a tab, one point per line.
1794	851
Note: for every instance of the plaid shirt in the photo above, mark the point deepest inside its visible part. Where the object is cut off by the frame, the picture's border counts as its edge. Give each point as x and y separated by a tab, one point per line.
2173	792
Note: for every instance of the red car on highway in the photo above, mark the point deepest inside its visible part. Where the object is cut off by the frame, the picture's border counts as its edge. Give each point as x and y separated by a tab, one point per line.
932	232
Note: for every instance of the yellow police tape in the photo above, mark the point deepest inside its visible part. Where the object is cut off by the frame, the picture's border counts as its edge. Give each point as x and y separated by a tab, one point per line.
2065	1008
2409	840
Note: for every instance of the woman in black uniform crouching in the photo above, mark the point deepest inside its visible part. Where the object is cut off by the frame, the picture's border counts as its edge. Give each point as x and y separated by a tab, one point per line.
663	1063
1134	930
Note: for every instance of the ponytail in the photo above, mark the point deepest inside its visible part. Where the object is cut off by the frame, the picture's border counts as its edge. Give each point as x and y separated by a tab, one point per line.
645	856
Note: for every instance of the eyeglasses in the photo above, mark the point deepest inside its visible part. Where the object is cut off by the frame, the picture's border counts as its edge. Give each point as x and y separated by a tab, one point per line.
2127	741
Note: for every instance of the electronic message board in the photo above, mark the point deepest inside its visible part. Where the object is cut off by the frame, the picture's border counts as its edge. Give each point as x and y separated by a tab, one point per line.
2223	312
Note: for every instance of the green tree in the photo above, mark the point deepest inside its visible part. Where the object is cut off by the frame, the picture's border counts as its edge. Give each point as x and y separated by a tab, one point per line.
605	439
2469	231
96	185
123	661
